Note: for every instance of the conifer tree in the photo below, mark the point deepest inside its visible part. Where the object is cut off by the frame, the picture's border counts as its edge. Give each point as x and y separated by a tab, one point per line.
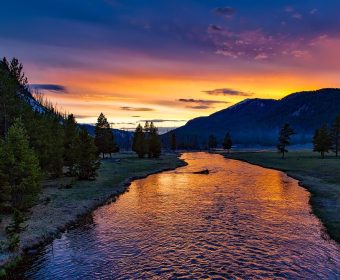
227	142
322	140
284	139
104	138
47	138
87	157
212	142
19	168
146	127
335	135
154	145
138	143
70	143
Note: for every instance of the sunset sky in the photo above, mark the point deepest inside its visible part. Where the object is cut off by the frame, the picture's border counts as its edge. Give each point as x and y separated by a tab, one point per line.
173	60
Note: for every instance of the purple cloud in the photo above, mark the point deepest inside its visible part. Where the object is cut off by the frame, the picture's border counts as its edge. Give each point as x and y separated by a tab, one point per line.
136	109
227	91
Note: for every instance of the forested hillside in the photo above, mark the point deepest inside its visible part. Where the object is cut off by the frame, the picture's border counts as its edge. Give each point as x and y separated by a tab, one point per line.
257	121
36	141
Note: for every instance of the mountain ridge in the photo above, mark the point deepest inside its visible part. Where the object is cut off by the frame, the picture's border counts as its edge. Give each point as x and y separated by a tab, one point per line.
256	121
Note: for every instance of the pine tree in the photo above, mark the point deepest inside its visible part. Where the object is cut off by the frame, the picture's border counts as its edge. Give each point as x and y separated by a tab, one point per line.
284	139
47	138
138	143
212	142
154	145
227	142
87	160
173	142
70	143
146	127
322	140
104	138
19	168
335	135
16	70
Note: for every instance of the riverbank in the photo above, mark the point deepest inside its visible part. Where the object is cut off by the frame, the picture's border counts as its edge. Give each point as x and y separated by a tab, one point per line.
63	201
321	177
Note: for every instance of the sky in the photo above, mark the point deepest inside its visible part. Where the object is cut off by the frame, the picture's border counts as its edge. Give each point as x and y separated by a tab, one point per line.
170	60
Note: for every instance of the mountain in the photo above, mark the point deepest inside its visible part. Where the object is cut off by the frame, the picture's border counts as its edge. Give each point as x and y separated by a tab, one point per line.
123	138
258	121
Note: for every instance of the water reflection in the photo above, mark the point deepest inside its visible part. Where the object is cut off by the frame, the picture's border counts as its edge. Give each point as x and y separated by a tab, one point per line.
238	221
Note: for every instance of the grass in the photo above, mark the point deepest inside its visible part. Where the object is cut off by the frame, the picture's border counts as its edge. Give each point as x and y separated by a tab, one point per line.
320	176
59	207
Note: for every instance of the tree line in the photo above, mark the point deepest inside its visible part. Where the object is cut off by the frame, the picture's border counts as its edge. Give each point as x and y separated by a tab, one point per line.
324	140
36	141
146	141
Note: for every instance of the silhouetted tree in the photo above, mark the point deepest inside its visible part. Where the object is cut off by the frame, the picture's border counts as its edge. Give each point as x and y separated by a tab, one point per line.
19	168
322	140
15	69
138	143
227	142
212	142
146	127
335	135
87	157
104	138
154	142
284	139
70	143
173	142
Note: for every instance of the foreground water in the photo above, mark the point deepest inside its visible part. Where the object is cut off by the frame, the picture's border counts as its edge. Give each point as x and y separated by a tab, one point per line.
239	221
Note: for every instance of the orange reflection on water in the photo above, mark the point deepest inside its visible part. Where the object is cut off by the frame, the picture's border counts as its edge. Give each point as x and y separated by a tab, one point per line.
239	222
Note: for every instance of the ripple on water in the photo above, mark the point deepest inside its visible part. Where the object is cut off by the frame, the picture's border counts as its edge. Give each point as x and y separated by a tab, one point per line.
240	221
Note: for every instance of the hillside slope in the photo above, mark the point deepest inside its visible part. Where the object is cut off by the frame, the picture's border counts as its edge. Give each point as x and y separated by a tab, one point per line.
257	121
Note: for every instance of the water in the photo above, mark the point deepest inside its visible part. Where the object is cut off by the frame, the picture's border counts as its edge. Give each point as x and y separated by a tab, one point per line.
240	221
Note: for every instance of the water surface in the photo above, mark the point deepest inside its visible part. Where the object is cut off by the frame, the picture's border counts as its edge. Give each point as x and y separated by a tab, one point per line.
239	221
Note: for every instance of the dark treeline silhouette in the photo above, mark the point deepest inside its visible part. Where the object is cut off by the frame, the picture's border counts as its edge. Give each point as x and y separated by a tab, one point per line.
227	142
324	140
212	142
104	138
146	141
36	141
284	139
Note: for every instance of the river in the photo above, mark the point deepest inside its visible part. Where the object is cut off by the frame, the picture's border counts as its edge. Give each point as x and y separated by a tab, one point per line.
239	222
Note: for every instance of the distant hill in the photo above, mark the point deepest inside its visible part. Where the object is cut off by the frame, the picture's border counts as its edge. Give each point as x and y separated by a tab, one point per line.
122	137
257	121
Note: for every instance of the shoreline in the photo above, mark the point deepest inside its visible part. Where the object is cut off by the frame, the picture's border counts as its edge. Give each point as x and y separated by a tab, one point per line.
319	205
28	243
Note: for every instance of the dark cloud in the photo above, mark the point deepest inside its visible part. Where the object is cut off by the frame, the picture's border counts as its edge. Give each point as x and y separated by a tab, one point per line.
49	87
199	107
136	109
202	101
214	28
135	116
83	116
226	12
161	120
227	91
